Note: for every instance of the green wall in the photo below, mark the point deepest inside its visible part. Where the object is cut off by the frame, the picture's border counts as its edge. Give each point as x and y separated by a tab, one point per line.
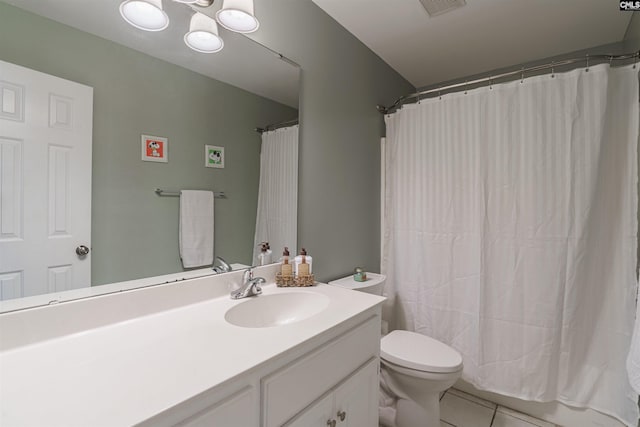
342	82
340	130
633	31
135	232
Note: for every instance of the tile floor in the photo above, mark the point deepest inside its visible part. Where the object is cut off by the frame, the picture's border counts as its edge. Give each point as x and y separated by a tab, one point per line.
459	409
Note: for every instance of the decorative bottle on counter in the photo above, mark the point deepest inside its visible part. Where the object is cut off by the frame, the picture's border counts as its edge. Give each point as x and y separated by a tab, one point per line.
264	257
303	264
269	254
286	269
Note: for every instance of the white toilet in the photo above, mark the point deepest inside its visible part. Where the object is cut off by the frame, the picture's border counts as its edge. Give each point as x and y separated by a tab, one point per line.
417	367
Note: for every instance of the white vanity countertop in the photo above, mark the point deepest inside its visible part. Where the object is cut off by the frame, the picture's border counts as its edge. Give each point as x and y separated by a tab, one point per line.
126	372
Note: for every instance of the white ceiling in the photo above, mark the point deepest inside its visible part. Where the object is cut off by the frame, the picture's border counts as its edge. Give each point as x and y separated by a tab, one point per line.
242	63
484	35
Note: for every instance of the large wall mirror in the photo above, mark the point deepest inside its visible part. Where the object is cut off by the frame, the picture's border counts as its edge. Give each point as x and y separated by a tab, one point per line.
144	83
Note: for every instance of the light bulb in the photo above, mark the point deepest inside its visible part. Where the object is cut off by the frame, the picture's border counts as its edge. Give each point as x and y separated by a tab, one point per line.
237	15
144	14
203	35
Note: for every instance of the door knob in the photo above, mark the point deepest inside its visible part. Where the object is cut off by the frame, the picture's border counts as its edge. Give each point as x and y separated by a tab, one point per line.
82	250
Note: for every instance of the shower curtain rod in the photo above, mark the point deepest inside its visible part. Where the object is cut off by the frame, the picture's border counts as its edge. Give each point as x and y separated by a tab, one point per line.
277	126
492	77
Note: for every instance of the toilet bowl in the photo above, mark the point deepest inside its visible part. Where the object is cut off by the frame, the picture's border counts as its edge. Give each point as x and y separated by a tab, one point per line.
416	367
421	368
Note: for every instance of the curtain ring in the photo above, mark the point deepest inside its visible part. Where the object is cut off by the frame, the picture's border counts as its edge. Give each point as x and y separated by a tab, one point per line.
439	96
553	74
466	84
587	69
491	83
522	75
610	60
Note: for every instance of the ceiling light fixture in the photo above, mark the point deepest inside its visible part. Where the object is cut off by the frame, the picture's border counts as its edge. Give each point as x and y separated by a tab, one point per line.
203	34
237	15
145	15
201	3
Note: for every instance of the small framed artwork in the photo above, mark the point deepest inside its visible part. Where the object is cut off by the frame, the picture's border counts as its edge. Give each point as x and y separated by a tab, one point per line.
214	156
155	149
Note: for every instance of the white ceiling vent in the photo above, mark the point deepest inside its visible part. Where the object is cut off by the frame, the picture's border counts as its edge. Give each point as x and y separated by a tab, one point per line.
438	7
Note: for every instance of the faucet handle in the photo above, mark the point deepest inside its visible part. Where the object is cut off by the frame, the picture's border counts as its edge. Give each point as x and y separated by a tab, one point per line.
223	266
247	275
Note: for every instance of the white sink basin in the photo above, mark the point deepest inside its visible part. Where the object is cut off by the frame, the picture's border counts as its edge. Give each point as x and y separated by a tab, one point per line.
265	311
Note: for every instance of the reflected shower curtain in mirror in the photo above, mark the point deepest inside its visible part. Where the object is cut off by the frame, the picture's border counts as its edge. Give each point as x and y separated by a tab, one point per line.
511	222
277	217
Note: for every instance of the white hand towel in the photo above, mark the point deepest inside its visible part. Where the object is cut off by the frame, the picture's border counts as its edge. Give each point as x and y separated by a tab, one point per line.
196	228
633	359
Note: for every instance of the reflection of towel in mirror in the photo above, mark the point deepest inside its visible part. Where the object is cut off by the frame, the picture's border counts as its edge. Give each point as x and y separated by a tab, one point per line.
196	228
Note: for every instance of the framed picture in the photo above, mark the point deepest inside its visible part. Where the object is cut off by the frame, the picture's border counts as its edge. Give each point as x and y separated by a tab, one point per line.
213	156
155	149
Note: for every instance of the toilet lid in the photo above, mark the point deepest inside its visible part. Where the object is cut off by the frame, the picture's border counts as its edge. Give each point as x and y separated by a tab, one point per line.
416	351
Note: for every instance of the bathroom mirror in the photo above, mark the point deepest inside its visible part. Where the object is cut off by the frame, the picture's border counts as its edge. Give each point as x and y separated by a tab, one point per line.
151	83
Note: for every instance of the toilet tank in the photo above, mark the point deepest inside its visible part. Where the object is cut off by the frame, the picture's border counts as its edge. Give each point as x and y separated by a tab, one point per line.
373	284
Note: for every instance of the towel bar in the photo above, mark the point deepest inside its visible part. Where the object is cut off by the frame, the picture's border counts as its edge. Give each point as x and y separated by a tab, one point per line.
165	193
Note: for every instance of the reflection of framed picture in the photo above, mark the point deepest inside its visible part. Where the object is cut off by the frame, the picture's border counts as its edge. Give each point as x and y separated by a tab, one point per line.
155	149
213	156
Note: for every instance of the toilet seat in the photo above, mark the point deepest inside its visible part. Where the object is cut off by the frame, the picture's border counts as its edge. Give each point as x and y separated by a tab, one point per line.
419	352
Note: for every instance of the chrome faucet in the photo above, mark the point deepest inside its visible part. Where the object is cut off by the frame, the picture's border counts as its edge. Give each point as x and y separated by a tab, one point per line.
250	285
223	267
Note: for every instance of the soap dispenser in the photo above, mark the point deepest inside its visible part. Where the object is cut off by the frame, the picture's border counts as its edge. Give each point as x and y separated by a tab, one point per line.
286	269
303	264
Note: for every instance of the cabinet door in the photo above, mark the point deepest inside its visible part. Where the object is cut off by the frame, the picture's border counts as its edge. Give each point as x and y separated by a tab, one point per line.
299	384
356	400
315	416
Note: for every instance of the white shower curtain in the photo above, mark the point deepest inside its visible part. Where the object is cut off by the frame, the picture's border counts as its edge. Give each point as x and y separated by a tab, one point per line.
511	233
277	216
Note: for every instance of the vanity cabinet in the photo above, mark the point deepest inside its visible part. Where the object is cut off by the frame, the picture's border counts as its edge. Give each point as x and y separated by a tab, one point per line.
328	379
353	403
184	364
297	385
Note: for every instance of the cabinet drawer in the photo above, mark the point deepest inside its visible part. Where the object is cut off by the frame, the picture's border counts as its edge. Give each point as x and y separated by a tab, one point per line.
234	411
290	389
233	405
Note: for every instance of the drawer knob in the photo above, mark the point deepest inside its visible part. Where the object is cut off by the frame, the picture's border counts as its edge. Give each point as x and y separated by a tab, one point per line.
342	415
331	423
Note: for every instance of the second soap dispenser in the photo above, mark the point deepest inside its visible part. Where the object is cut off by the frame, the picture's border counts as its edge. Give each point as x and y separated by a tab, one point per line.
301	259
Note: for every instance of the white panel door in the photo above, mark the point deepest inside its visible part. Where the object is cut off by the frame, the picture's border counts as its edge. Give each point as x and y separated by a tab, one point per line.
45	182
